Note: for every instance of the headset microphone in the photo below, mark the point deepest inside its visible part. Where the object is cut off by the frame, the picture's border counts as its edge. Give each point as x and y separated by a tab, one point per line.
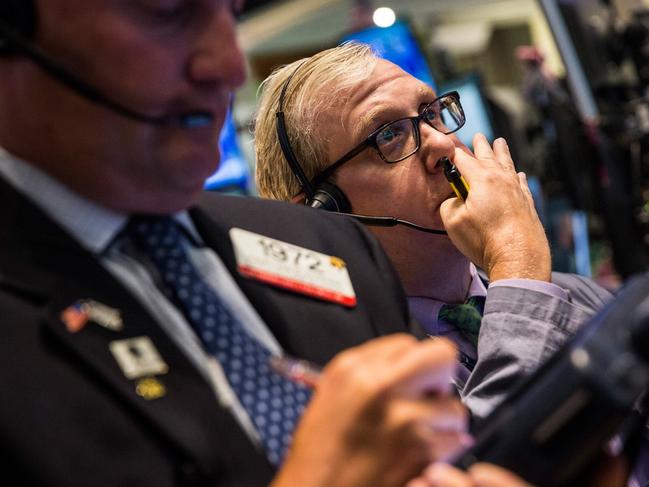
13	41
390	221
330	197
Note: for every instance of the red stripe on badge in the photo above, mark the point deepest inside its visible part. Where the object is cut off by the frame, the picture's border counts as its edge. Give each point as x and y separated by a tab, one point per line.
297	286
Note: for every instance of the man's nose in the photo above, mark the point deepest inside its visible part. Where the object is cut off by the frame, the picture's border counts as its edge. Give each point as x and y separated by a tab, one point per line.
217	57
435	145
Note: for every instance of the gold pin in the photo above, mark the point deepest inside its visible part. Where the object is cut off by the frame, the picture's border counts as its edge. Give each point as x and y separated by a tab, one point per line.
150	388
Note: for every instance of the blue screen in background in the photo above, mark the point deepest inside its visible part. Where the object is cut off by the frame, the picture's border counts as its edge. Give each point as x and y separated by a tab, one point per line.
396	44
233	172
475	109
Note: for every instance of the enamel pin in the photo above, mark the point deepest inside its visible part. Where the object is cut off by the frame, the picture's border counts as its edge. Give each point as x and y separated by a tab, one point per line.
76	316
138	357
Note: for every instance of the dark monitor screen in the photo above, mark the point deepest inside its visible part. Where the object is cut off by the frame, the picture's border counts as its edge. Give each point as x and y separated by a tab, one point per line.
396	44
233	172
475	108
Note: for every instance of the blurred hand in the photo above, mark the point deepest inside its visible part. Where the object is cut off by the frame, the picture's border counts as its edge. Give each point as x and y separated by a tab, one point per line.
380	413
479	475
497	227
607	472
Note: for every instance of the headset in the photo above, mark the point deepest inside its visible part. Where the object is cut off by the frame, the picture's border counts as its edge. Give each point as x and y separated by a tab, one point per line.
18	20
325	194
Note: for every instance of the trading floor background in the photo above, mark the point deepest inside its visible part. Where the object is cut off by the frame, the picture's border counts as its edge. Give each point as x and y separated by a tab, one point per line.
581	145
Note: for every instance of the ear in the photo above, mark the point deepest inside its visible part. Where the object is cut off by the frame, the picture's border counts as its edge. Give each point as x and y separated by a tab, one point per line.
299	198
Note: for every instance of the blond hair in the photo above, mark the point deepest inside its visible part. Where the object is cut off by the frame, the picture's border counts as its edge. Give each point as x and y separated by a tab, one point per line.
321	82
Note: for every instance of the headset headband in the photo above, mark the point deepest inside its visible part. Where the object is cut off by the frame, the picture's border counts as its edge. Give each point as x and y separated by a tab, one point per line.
284	143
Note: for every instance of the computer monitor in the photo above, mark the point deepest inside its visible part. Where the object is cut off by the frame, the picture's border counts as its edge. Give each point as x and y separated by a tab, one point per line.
475	108
398	45
233	173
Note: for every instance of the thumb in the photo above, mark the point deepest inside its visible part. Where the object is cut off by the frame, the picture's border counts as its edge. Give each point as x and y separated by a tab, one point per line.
450	209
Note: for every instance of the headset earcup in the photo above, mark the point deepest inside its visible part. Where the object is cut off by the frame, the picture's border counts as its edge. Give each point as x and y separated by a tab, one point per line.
330	197
20	15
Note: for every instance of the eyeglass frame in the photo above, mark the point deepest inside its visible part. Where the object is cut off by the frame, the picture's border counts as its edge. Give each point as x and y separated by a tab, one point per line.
370	140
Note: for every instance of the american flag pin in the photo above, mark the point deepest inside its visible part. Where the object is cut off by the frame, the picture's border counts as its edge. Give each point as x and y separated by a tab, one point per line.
77	315
74	317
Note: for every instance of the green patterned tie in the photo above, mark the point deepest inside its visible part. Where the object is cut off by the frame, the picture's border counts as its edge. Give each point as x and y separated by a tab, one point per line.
465	317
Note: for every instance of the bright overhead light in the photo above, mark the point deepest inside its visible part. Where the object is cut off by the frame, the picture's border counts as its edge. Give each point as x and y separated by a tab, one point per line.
384	17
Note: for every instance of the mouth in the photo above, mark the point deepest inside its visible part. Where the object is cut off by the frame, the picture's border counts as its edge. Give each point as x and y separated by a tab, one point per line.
190	119
194	112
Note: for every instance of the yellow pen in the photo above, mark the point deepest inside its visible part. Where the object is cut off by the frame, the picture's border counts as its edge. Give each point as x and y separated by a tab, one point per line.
455	179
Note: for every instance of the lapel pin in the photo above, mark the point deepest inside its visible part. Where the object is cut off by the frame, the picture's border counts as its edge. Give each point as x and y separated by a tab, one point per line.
138	357
150	388
76	316
105	316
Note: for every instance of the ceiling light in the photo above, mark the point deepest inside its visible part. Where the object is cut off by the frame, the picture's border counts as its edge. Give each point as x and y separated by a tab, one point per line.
384	17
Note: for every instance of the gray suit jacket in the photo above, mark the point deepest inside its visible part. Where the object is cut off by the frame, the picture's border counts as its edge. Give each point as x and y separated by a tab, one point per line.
520	329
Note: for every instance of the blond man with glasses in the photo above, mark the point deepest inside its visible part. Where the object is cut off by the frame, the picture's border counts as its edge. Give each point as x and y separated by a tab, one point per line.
348	131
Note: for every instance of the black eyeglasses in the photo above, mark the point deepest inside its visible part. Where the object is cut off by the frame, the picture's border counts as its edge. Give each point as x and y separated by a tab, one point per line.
398	140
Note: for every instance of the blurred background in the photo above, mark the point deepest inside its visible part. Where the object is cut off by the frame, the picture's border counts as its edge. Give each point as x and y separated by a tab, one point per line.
566	82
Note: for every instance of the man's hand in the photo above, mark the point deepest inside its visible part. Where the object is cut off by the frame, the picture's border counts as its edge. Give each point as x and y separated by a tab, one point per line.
380	413
608	472
479	475
497	227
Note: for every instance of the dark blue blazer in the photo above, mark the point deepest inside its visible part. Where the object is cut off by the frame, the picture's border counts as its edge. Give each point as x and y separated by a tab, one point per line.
68	415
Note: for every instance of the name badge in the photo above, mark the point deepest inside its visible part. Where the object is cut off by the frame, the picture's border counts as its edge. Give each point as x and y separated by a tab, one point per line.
291	267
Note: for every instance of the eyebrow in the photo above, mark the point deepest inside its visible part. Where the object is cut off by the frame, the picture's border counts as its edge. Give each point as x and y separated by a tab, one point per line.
362	127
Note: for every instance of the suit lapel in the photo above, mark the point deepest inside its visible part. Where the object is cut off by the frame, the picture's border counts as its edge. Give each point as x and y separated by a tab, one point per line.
41	263
261	296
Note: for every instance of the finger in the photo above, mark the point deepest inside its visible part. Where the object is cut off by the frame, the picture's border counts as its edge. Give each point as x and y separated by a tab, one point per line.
445	445
427	367
362	362
467	164
443	475
502	154
431	416
450	209
522	179
460	145
482	148
375	350
418	482
488	475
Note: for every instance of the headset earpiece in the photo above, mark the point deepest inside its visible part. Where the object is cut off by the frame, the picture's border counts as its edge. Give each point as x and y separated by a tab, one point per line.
326	195
20	16
330	197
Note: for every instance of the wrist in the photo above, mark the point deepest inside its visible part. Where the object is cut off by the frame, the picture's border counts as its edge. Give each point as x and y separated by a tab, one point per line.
520	265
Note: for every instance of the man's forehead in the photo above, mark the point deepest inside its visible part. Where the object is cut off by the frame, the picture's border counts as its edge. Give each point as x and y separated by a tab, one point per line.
388	89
